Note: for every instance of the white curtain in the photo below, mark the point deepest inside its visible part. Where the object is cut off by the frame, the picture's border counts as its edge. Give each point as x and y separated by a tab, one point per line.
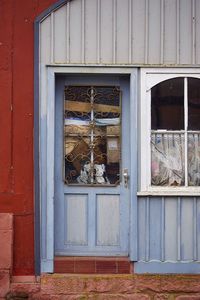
194	159
167	159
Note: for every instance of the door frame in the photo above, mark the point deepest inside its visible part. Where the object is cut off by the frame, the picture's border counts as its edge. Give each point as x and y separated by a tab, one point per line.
46	132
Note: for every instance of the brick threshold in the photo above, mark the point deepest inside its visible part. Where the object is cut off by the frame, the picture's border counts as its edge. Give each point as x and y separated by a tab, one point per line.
92	265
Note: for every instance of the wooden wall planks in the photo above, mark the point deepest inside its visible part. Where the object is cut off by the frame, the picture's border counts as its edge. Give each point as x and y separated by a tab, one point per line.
168	229
133	32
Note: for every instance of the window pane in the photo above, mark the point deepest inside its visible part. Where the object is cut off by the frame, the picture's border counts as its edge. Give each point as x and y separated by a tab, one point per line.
167	159
76	130
92	135
193	104
107	116
194	159
167	105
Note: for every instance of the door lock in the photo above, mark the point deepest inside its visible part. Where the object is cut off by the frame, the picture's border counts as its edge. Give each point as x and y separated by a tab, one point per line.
126	177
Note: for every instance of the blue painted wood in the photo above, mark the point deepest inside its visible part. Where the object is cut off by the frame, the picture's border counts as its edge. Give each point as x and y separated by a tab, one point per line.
198	228
170	242
187	229
181	219
141	215
59	205
133	165
50	158
108	229
46	169
92	248
47	265
179	228
168	232
75	229
163	229
155	227
92	216
147	230
195	228
166	267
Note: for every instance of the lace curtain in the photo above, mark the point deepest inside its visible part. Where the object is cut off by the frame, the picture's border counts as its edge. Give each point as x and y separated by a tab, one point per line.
168	159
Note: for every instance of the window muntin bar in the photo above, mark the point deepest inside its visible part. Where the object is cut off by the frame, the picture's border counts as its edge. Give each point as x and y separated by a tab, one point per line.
186	127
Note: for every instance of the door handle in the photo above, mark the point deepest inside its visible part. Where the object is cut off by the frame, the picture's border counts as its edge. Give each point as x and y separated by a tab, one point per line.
126	177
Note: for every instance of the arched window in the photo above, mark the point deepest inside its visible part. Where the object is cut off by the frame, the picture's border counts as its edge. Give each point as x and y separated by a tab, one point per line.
175	132
174	121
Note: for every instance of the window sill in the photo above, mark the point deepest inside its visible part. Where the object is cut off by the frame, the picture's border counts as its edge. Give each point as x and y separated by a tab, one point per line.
189	192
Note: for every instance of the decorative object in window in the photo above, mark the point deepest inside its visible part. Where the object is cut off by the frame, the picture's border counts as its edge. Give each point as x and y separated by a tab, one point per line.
92	123
175	132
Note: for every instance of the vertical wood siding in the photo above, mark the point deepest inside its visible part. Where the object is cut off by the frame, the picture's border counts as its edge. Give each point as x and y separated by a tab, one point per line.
168	229
160	32
132	32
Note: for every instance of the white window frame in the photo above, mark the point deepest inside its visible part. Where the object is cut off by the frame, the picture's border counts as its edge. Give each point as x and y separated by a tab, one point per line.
149	78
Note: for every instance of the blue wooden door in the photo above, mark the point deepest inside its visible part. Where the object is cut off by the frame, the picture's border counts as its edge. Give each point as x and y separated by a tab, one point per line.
91	168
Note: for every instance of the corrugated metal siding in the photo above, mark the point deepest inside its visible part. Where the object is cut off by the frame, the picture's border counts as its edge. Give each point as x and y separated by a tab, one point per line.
161	32
169	229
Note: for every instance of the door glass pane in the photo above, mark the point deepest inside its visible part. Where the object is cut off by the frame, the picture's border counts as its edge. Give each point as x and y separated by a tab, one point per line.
193	104
167	159
167	105
92	135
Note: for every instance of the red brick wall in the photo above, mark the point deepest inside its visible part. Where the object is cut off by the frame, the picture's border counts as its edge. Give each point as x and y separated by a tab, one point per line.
6	252
16	123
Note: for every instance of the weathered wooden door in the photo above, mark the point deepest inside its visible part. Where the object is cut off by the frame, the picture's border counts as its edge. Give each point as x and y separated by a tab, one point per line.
92	158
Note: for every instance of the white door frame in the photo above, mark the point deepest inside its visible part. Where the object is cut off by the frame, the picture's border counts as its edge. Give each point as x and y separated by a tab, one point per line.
46	154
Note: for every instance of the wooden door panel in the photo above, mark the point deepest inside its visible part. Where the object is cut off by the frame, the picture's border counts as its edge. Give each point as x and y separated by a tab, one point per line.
76	219
108	220
91	219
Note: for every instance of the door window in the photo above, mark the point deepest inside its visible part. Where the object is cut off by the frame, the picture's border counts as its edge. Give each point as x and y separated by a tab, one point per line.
92	126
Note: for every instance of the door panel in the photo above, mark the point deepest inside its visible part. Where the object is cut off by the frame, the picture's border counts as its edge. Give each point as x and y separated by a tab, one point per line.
108	220
76	228
91	218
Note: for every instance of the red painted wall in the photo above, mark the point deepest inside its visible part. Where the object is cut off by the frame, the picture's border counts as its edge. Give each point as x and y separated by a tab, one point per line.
16	123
